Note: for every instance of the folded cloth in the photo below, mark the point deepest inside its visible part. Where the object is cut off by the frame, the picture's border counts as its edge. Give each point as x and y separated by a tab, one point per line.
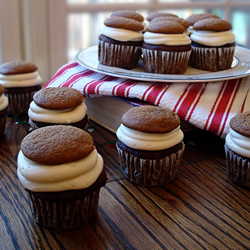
206	105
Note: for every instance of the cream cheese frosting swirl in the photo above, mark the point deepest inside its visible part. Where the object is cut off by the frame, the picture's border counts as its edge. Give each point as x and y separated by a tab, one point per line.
3	102
212	38
20	80
54	178
238	143
149	141
166	39
122	35
67	116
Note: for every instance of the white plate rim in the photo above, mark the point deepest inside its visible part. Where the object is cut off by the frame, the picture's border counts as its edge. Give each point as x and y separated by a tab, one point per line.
89	59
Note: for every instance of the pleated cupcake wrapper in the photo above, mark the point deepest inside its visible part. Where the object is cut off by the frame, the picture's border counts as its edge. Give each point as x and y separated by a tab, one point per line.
212	59
147	172
2	124
123	56
164	62
64	215
19	102
238	168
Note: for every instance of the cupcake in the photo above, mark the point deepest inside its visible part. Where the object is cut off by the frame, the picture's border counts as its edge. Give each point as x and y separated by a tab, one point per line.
166	49
55	106
150	145
120	42
3	110
212	45
20	80
197	17
237	149
62	173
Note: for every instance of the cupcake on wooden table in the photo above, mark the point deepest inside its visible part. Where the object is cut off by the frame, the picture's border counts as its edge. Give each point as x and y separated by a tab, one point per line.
197	17
120	42
62	173
150	145
3	110
166	49
237	148
212	45
54	106
20	80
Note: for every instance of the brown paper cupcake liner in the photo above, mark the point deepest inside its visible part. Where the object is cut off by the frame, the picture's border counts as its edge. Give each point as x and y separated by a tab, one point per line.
122	56
64	215
165	62
238	168
19	102
147	172
212	59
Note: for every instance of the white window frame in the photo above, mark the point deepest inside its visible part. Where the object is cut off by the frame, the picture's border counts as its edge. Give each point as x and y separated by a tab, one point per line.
36	30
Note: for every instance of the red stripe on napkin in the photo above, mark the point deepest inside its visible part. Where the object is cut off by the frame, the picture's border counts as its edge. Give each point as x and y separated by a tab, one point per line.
123	88
222	107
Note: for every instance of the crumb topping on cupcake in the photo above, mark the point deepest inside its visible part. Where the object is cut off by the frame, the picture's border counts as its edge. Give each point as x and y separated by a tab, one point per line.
128	14
151	119
153	15
123	23
55	145
197	17
58	98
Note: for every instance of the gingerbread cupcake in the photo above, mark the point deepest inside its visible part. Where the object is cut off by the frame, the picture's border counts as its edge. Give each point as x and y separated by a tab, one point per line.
62	173
166	49
20	80
197	17
120	42
237	149
150	145
212	45
3	110
54	106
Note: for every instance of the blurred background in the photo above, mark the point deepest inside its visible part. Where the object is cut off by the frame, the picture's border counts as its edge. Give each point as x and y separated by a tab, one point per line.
51	32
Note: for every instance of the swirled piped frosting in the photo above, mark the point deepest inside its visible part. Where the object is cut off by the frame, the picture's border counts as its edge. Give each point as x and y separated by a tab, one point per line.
166	39
149	141
238	143
54	178
212	38
122	35
20	80
3	102
67	116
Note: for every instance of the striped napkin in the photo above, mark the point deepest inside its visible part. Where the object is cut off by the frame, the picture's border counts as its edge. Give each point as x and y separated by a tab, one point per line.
206	105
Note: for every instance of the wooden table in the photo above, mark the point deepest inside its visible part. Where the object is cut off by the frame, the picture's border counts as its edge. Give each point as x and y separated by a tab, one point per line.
200	209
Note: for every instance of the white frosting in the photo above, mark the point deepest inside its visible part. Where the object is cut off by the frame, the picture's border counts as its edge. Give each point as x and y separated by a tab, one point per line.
149	141
212	38
190	29
166	39
67	116
3	102
20	80
54	178
122	34
238	143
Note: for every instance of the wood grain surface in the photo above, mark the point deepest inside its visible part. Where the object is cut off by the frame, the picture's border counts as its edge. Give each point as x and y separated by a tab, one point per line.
200	209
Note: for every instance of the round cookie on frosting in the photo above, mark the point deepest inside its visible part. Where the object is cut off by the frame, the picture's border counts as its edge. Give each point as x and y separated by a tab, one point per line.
20	80
166	48
212	45
54	106
153	15
237	149
120	42
3	110
62	173
150	145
